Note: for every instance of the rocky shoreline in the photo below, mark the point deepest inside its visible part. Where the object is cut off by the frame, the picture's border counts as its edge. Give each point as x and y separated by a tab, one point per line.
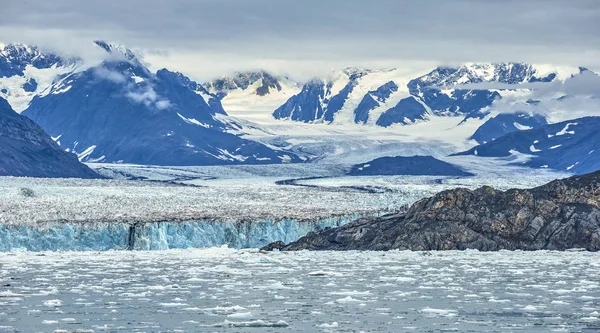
563	214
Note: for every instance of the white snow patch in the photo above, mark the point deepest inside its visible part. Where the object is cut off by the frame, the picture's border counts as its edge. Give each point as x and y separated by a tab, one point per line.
521	127
193	121
137	79
566	130
86	152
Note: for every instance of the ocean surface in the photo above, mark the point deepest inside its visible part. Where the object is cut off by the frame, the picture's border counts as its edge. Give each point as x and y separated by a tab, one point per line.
228	290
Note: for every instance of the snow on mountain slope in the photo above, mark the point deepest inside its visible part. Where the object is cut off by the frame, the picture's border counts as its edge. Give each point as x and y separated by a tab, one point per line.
570	146
335	118
119	111
26	150
26	72
505	123
337	97
357	95
252	95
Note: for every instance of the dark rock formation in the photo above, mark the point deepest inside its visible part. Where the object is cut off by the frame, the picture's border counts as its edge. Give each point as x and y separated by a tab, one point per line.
119	111
506	123
560	215
407	165
26	150
571	146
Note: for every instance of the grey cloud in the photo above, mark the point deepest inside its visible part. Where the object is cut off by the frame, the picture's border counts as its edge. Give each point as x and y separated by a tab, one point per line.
578	96
298	34
586	83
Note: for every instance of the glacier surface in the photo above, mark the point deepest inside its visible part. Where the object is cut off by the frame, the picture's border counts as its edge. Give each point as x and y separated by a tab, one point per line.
103	236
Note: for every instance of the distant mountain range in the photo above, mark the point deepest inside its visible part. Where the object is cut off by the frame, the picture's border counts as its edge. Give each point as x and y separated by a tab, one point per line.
120	111
386	97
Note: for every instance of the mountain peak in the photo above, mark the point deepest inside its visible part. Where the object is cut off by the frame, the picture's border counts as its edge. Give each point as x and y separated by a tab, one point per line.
116	49
244	80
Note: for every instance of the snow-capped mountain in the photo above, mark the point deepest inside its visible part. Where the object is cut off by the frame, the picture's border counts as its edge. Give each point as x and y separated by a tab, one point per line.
26	150
572	146
338	96
260	83
26	71
252	95
387	97
119	111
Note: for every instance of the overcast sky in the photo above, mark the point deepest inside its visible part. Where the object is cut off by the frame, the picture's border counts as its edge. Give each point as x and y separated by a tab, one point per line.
207	38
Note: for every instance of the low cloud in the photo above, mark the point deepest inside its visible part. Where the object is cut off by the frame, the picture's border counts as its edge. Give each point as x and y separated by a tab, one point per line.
104	73
587	83
575	97
149	98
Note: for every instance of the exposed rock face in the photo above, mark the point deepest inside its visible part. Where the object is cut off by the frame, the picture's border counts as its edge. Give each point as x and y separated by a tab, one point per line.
26	150
407	165
560	215
570	146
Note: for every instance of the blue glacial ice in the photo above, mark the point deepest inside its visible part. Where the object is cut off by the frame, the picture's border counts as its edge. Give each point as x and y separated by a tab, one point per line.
103	236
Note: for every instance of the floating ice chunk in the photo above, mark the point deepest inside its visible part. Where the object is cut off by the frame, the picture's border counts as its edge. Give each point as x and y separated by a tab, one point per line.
9	294
439	312
554	147
560	303
351	293
69	320
224	309
53	303
530	308
327	325
49	322
254	323
172	305
404	279
241	315
324	273
347	299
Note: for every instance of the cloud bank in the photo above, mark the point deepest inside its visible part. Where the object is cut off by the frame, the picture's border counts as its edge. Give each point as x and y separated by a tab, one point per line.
207	38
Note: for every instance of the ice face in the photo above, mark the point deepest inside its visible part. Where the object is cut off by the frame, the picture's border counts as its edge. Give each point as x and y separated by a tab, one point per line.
222	290
158	235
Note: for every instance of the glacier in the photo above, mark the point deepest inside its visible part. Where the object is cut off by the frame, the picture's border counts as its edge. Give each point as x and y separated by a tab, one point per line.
104	236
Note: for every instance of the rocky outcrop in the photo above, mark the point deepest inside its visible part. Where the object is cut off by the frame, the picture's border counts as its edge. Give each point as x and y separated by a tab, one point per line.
27	151
560	215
